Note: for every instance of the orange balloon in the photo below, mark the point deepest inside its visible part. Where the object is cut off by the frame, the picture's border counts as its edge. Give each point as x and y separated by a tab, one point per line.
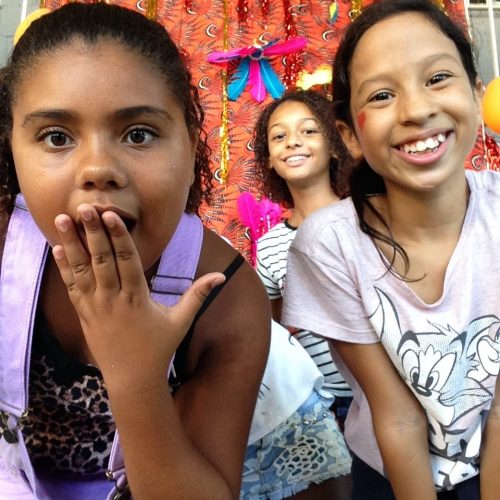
491	105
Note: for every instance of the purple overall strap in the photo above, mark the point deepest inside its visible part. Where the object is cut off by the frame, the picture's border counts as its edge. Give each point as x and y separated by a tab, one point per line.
20	277
179	261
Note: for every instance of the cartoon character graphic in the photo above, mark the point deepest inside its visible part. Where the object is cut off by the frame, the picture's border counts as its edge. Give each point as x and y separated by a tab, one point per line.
452	373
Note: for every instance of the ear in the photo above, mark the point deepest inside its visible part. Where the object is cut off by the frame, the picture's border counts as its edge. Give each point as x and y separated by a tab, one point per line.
479	88
194	149
478	91
349	139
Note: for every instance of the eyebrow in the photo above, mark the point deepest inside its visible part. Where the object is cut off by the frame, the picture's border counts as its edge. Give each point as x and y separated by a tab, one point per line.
121	114
51	114
302	120
427	61
135	111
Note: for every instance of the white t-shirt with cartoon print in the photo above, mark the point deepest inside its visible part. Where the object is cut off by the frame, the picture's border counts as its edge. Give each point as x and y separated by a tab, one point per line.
448	352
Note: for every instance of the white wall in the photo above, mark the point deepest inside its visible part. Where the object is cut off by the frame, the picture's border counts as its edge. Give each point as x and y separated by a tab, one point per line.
482	38
10	16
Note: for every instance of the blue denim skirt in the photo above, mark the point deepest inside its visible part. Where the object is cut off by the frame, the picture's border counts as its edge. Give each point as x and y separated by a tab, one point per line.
307	448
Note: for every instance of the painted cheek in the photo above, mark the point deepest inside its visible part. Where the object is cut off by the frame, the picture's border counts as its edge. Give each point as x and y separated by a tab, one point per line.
361	118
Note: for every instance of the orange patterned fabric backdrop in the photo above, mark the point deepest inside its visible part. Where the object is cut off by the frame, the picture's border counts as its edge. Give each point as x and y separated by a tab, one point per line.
201	27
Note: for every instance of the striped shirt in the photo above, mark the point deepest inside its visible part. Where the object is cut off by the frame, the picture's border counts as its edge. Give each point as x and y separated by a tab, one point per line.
272	251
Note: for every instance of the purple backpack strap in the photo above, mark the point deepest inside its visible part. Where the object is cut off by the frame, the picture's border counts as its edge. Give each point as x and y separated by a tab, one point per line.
179	261
23	261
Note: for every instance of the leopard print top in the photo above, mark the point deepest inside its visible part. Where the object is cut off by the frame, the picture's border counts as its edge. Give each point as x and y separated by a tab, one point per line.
69	428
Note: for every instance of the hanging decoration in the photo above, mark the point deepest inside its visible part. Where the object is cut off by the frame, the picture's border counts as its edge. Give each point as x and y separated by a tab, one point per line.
255	69
492	152
294	61
440	4
224	128
264	8
334	12
242	9
259	217
151	9
356	8
321	76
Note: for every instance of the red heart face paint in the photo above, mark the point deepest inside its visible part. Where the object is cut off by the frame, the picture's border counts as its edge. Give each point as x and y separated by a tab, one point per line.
361	118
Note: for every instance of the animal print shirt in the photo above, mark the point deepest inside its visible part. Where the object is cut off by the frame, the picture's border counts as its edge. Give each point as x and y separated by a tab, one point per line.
448	352
69	428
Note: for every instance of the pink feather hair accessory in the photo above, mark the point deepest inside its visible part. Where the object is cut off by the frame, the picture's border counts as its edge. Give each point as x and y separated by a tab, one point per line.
259	217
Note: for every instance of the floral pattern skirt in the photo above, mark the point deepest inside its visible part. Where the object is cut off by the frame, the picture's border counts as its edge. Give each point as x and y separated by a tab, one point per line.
306	448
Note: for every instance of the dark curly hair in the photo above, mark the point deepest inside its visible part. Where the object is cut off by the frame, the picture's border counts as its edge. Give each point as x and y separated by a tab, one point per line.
364	181
273	186
93	23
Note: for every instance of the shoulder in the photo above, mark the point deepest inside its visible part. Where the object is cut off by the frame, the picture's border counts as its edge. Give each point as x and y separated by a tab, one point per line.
239	317
484	180
326	226
243	287
280	230
278	236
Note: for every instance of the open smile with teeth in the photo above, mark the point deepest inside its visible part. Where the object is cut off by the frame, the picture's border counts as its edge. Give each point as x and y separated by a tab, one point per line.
429	144
296	158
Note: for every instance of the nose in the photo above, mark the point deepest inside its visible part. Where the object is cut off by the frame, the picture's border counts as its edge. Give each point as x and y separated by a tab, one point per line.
418	106
294	140
100	168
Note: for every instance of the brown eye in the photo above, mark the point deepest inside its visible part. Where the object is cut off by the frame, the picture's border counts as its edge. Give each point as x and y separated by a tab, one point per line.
140	136
56	139
438	78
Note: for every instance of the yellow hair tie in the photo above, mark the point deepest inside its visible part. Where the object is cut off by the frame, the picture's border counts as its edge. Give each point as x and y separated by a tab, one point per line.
25	23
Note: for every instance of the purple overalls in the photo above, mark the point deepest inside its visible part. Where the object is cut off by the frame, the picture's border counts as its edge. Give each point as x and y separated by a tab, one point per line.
21	274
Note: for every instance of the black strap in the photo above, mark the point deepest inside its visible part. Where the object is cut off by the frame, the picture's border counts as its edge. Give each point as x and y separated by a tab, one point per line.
180	360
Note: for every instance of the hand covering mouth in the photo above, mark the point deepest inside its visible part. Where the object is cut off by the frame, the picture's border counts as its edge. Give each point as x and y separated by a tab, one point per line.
128	219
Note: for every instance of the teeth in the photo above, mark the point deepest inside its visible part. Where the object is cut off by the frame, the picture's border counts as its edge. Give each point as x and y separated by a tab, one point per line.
296	158
420	146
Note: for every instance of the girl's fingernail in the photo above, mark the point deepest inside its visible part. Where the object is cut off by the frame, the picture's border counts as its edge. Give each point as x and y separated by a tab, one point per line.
109	221
58	252
62	225
86	214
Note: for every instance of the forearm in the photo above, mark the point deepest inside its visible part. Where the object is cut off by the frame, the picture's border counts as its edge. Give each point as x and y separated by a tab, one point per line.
490	456
160	459
405	453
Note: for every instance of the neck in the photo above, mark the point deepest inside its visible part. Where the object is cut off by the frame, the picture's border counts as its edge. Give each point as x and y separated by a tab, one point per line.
306	201
418	215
